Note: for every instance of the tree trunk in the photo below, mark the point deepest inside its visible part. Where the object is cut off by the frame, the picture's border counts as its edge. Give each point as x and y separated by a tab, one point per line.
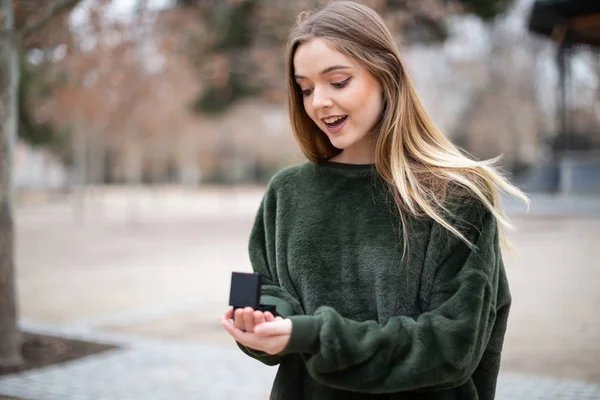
10	341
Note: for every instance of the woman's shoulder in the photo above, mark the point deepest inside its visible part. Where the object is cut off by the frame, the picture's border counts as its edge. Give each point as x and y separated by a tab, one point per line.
460	205
291	176
469	214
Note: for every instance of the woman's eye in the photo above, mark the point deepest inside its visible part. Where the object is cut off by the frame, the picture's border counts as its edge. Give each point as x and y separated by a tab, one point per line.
339	85
307	92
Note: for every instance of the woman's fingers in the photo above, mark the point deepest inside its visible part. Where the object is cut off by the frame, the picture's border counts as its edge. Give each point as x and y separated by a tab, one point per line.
279	327
259	317
272	338
245	338
236	333
249	319
245	319
238	319
269	317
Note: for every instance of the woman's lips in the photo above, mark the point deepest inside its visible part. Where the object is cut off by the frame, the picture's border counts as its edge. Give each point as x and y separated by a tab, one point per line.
337	126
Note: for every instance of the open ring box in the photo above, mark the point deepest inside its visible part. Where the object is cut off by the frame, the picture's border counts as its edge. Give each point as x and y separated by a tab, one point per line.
245	291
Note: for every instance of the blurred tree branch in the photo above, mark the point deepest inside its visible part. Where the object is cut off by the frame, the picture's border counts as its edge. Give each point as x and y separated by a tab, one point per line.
51	10
243	31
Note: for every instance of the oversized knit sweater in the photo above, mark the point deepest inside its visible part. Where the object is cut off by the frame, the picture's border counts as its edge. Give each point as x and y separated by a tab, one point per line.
368	323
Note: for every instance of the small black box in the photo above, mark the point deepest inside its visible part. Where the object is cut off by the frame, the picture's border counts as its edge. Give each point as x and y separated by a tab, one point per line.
245	292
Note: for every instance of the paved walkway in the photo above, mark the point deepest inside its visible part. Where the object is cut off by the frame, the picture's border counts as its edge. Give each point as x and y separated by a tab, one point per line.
150	369
151	275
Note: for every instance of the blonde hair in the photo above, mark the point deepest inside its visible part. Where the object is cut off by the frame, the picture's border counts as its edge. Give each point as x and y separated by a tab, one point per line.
412	156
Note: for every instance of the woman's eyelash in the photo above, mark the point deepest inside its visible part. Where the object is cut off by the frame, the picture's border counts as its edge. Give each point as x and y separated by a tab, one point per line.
339	85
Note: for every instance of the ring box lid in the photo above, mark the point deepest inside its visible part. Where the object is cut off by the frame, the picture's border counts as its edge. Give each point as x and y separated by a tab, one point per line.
245	290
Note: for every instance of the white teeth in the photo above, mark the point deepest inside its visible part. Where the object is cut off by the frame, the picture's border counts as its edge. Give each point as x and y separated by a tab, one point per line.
332	120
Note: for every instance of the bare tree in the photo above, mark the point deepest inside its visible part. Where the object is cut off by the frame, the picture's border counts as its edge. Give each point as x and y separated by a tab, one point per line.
10	45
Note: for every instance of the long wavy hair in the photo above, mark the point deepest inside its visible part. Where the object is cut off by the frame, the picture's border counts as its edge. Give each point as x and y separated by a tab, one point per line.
413	157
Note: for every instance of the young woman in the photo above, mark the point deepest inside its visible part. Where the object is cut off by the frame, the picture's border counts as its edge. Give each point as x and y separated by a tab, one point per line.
382	253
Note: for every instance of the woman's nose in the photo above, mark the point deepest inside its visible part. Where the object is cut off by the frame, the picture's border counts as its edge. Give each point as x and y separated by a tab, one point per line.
321	99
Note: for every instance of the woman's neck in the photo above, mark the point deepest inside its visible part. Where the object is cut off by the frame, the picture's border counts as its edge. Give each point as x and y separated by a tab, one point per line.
362	154
355	161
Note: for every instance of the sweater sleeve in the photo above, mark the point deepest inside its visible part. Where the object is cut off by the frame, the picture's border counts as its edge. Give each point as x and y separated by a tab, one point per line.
262	246
440	349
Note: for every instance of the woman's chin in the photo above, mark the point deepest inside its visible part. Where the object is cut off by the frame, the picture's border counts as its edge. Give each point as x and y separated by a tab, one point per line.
340	142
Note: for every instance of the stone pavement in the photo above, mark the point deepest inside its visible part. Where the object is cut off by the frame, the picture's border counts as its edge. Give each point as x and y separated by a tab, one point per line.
151	369
151	275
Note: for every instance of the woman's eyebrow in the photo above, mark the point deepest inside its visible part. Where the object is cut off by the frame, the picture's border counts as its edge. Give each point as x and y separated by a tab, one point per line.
325	71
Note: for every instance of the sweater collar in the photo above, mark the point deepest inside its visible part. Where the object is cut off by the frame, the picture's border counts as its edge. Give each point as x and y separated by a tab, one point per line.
349	169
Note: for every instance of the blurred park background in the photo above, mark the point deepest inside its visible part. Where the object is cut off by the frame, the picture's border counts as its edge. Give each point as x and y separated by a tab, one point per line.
139	136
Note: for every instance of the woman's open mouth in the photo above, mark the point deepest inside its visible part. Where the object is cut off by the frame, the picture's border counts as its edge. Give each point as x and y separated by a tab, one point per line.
335	124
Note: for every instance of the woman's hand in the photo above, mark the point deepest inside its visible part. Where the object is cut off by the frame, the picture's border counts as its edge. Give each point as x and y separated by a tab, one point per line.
258	330
245	319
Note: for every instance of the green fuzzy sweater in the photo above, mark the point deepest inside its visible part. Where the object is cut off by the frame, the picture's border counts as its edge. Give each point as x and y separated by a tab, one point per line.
368	323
